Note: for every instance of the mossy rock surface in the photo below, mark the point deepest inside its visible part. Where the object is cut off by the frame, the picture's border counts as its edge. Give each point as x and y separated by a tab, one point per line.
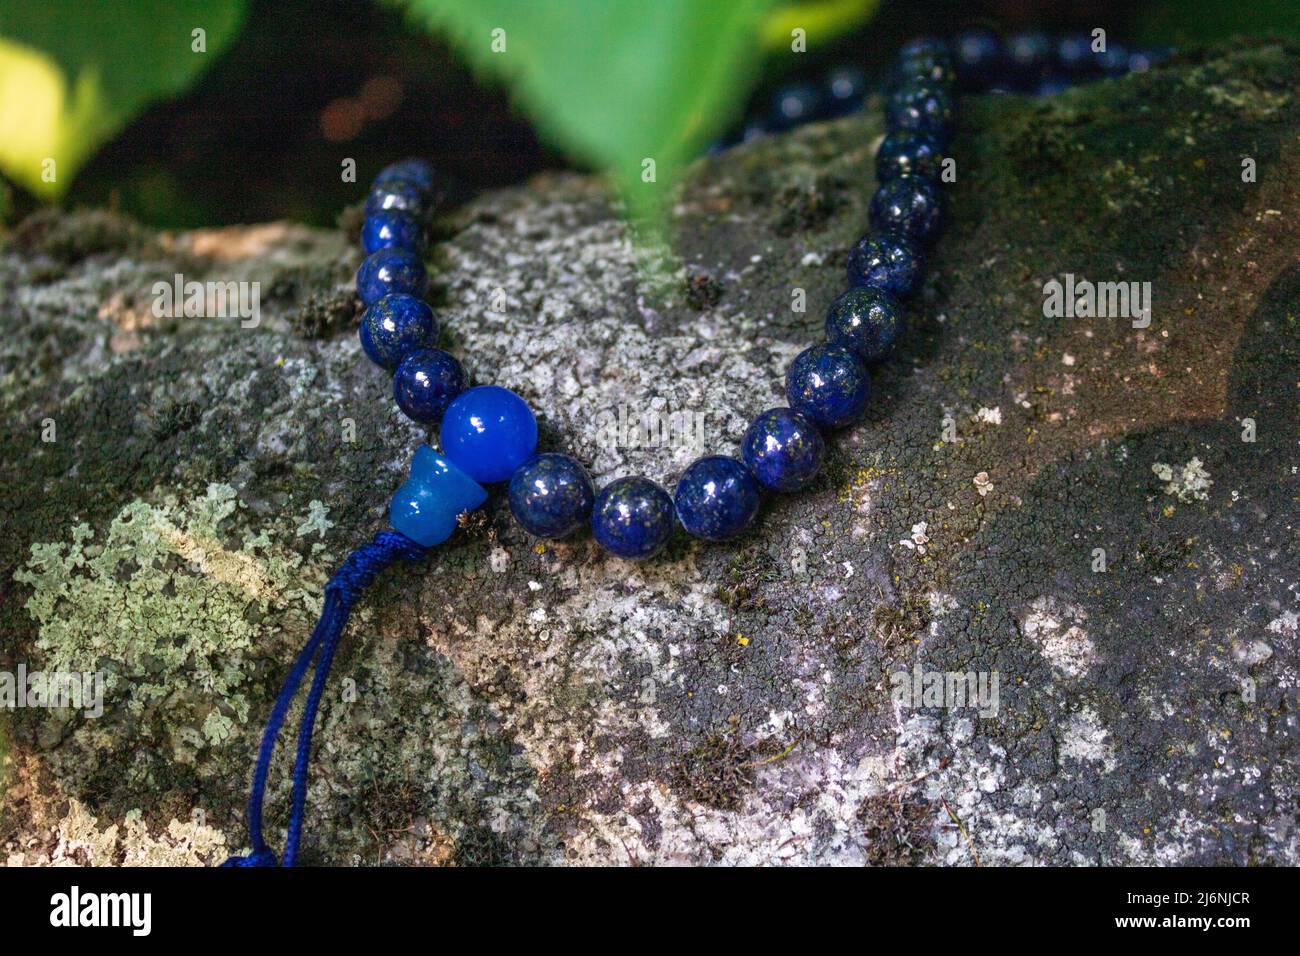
511	702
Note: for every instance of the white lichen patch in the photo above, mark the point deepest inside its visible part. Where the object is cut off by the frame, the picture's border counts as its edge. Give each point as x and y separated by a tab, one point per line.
166	609
1085	738
611	399
81	841
316	520
1056	629
918	539
1286	624
1189	482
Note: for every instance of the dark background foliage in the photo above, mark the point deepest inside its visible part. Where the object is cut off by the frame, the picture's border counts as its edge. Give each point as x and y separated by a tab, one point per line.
261	135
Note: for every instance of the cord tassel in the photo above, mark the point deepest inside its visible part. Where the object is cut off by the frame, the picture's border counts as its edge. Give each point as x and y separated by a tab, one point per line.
341	593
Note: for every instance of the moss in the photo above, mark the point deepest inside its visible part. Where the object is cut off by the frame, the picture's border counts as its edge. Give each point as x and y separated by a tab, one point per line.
326	314
897	829
68	238
480	846
6	761
719	770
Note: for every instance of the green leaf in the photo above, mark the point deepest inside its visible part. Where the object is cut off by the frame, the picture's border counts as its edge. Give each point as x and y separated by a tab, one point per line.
821	20
616	83
74	72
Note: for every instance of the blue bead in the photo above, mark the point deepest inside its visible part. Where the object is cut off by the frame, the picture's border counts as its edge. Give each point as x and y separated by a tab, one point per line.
795	104
865	320
388	271
887	262
1053	85
396	326
1113	60
426	507
415	171
908	154
783	449
846	88
488	432
427	382
924	59
399	195
551	495
918	106
392	229
1074	53
828	385
979	57
924	46
1140	61
632	518
907	206
716	498
1030	55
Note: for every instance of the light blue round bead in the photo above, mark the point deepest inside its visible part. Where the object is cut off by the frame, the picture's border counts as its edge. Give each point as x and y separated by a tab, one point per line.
426	507
488	432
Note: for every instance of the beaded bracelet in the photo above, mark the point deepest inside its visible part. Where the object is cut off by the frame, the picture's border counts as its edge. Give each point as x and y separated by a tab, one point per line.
488	434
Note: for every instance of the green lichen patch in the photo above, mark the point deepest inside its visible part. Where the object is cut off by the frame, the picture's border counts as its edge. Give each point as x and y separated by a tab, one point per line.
169	608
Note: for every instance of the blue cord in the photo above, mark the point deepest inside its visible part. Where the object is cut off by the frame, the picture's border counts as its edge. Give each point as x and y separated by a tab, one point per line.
341	593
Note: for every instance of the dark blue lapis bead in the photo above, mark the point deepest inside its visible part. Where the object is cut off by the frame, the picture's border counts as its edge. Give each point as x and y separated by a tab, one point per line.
1074	54
1053	84
632	518
754	130
846	89
865	320
394	327
980	59
920	107
924	46
716	498
907	206
828	385
392	229
400	195
1030	57
1139	61
388	271
887	262
795	104
551	495
908	154
1113	61
930	65
426	382
415	171
488	432
783	449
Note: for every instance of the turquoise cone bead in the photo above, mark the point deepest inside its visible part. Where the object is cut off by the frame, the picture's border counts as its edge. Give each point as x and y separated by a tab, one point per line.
426	507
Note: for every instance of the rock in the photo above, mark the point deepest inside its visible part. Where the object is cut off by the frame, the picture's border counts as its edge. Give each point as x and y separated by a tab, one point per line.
200	478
